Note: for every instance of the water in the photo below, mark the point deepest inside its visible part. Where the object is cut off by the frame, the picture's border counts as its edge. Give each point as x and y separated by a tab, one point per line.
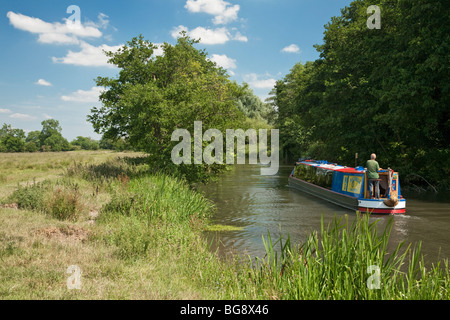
261	204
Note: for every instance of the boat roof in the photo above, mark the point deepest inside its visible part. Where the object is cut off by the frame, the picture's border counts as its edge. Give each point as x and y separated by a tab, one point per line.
331	166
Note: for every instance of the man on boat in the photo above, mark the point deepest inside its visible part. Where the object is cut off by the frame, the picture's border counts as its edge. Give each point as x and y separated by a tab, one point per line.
372	175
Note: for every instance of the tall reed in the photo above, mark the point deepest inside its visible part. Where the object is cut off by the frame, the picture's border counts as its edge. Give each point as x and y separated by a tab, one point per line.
349	262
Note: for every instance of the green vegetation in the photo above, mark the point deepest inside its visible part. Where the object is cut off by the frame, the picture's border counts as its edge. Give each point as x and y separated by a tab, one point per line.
384	91
134	226
153	96
51	139
138	234
351	262
222	228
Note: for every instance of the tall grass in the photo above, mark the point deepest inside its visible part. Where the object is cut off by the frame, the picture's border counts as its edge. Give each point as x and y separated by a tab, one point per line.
349	262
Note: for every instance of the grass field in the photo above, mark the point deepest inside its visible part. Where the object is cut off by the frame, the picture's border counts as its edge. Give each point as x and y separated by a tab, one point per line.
133	233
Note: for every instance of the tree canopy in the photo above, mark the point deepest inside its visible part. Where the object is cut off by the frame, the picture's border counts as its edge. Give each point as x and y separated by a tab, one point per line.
374	90
154	95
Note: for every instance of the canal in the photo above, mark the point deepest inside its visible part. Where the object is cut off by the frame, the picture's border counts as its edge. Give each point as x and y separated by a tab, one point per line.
259	204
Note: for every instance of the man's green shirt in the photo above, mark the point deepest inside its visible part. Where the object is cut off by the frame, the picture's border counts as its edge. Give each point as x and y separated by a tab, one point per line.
372	169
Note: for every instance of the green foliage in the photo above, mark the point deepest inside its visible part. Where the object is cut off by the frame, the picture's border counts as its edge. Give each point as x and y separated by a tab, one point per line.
60	199
154	96
384	91
252	106
118	144
30	197
340	262
144	209
51	136
48	139
11	140
64	203
86	143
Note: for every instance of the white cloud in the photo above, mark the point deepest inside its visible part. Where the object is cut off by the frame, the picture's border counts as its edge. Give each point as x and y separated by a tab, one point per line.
239	37
159	50
175	33
21	116
223	11
209	36
42	82
223	61
46	116
256	82
293	48
5	111
59	33
91	95
88	56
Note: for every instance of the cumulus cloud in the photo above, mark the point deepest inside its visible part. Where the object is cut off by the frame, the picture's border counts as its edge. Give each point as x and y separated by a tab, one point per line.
5	111
91	95
225	62
293	48
56	32
88	56
42	82
257	82
223	11
209	36
21	116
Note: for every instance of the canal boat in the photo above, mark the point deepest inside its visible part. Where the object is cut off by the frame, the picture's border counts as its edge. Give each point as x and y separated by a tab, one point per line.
348	187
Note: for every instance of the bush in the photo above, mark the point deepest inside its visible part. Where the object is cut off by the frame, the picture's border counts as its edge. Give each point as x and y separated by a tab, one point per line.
60	200
30	197
64	204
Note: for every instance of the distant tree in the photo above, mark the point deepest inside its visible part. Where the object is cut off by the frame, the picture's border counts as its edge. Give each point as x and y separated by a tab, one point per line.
252	106
85	143
49	127
51	138
11	140
33	142
31	147
107	144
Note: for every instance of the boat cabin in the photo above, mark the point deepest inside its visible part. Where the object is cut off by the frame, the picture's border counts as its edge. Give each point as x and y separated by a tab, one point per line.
346	180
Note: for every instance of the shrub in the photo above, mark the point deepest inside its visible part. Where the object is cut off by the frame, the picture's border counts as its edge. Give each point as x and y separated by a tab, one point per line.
61	200
64	204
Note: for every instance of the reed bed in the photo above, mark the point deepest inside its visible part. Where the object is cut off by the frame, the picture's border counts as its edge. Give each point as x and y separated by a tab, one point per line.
349	262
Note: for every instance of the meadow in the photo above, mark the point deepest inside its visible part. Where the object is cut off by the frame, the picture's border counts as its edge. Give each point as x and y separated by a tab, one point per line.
135	233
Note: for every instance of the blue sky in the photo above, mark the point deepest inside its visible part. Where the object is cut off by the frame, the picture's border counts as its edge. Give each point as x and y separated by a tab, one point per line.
48	64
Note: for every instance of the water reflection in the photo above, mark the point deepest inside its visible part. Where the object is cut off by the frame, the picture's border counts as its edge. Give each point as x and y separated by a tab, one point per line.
261	204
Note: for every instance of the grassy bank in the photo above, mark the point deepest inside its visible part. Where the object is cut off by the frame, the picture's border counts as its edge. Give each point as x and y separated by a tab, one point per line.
137	234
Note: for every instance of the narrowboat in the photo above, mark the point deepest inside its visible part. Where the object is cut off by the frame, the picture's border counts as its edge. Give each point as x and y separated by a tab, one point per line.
348	187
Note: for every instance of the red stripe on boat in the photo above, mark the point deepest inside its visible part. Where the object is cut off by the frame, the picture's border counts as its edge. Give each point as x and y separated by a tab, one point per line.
389	211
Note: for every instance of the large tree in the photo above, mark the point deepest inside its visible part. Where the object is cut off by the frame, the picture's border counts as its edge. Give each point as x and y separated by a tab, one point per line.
154	95
377	90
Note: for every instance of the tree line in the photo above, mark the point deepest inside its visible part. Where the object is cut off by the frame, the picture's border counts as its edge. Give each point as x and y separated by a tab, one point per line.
51	139
374	90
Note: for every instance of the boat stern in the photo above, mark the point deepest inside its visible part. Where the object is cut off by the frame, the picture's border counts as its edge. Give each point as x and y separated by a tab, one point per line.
378	206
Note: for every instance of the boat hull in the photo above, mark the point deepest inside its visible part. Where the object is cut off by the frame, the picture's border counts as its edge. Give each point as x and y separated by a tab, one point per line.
373	206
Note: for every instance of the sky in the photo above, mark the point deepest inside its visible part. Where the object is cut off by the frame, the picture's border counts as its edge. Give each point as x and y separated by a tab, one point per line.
52	50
